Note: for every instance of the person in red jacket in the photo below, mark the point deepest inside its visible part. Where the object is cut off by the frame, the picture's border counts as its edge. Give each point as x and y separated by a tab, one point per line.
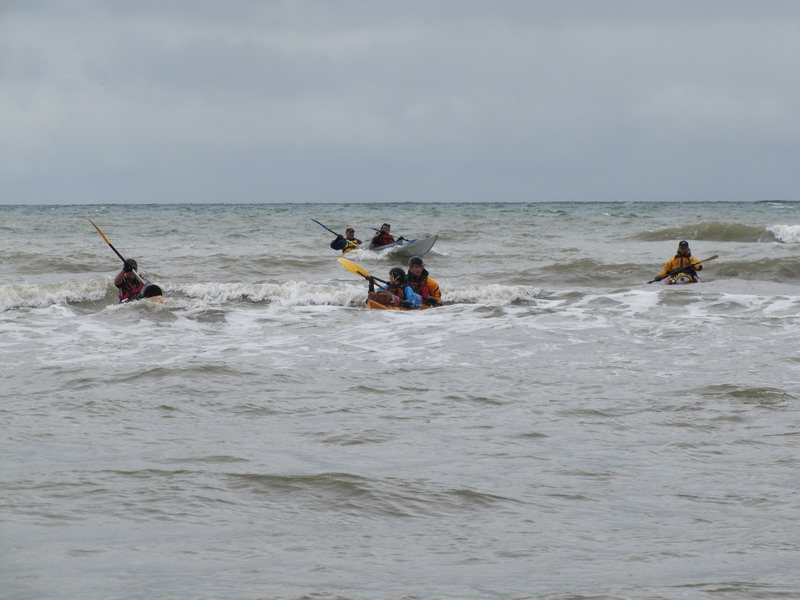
128	282
382	237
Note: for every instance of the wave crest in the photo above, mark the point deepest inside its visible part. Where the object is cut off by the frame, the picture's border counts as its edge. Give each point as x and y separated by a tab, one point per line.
292	293
17	295
788	234
715	231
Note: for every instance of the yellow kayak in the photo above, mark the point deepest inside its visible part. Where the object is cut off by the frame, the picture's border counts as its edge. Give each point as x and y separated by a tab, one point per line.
379	306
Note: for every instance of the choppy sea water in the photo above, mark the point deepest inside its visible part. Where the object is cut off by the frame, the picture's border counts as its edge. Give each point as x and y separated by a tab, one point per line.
559	429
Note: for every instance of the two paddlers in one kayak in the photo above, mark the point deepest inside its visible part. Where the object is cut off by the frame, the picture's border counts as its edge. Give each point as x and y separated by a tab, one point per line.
403	291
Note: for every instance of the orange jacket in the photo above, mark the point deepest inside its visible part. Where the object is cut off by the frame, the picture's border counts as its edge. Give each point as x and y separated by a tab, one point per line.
678	262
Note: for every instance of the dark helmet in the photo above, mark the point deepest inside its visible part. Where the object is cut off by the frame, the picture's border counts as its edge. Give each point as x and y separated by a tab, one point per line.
398	274
130	265
386	225
415	260
683	244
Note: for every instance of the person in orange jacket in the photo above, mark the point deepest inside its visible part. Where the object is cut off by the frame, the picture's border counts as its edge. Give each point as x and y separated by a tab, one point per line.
683	261
421	282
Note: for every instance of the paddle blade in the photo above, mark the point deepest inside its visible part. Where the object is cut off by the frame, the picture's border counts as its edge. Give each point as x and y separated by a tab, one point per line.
705	260
353	267
99	230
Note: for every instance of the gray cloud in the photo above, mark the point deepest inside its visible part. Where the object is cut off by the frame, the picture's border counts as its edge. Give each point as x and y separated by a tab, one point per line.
370	100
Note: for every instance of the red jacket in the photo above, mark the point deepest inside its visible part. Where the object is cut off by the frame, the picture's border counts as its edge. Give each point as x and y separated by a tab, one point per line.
381	239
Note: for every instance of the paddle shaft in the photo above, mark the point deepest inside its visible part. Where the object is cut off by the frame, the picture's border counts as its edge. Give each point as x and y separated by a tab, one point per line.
110	245
334	233
399	238
677	270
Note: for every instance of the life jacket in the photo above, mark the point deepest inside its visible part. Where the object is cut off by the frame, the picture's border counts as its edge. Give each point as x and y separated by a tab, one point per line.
680	262
382	238
397	290
342	244
395	295
685	261
130	290
350	247
426	287
419	284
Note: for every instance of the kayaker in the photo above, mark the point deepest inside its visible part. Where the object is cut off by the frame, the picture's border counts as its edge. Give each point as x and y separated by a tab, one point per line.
424	285
382	237
396	293
346	242
128	282
682	262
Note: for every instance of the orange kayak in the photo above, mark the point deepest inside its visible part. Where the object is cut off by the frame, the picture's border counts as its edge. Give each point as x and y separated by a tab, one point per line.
379	306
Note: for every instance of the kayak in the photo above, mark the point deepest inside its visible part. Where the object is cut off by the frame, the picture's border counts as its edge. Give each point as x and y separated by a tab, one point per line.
379	306
681	279
150	292
408	247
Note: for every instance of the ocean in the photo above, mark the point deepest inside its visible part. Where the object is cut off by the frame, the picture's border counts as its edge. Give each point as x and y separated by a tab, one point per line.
560	429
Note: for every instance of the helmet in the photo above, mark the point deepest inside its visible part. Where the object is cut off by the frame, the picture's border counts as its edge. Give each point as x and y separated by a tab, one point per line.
130	265
683	244
398	274
415	260
386	225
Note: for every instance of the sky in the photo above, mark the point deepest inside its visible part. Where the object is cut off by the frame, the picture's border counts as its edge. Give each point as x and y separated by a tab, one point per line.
251	101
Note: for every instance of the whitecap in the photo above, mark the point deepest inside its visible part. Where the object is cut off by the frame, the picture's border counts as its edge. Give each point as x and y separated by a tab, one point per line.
17	295
788	234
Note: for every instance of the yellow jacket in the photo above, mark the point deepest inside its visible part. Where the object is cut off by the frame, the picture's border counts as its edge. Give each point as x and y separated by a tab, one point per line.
678	262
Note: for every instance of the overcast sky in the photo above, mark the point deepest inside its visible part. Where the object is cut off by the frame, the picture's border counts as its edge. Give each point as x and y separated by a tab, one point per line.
406	100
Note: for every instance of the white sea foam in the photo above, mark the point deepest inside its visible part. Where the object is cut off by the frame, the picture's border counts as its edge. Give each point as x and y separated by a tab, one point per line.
292	293
494	294
788	234
16	295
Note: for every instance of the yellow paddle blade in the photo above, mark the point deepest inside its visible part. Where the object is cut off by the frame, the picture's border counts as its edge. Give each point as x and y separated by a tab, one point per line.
353	267
98	230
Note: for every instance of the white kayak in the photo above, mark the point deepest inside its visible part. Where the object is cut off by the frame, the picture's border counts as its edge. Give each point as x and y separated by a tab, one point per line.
409	247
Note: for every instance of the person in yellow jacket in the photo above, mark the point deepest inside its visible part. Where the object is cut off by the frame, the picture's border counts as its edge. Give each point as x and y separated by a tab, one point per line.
346	242
682	262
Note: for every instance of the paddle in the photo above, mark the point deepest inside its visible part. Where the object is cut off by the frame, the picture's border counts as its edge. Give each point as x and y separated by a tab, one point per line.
354	268
336	234
679	269
399	238
114	249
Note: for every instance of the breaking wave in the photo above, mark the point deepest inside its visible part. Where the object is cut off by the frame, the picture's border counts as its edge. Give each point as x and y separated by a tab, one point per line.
717	231
98	293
